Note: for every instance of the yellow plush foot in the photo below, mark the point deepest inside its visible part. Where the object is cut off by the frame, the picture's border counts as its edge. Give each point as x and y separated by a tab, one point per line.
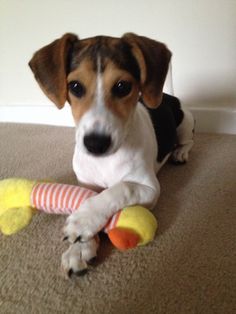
15	192
140	221
130	227
15	219
15	210
123	238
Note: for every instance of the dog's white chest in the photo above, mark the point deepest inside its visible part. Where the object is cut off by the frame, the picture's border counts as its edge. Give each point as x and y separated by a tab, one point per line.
102	172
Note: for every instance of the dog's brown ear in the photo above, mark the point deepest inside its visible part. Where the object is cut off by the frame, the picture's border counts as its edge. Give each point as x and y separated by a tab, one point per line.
153	59
50	65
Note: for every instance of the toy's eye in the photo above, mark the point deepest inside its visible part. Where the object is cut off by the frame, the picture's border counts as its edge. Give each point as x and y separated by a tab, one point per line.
122	88
77	88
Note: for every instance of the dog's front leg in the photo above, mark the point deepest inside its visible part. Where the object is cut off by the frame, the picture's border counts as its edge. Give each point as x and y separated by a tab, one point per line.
93	214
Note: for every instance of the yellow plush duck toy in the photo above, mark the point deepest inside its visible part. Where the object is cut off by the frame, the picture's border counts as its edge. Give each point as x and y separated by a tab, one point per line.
21	198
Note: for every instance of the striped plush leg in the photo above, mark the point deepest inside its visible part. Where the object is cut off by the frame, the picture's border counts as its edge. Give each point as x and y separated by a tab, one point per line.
55	198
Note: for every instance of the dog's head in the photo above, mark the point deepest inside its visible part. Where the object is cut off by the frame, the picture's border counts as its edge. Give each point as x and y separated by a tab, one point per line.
102	78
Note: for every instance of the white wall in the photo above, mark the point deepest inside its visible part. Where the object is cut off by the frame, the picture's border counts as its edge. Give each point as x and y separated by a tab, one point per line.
200	33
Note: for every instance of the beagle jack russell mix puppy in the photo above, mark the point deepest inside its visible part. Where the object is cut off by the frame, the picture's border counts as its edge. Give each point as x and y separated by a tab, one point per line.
126	128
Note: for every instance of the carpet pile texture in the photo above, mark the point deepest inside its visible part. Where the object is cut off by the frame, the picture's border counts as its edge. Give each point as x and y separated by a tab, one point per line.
190	267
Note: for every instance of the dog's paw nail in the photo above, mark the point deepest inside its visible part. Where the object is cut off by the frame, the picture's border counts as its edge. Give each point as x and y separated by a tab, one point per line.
92	260
178	162
70	273
82	239
81	272
78	273
78	239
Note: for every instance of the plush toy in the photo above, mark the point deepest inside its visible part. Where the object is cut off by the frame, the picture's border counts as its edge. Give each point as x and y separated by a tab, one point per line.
21	198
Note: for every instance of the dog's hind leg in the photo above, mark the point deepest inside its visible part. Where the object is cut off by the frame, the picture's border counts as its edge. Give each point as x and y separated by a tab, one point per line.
185	132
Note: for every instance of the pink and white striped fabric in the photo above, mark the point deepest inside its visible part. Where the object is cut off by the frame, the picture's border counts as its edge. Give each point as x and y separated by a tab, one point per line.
55	198
111	224
58	198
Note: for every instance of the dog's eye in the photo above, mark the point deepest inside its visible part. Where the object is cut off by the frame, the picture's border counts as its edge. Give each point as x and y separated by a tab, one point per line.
122	89
77	88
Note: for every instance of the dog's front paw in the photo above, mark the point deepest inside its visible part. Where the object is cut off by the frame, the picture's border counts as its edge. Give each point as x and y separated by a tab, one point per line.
75	260
83	224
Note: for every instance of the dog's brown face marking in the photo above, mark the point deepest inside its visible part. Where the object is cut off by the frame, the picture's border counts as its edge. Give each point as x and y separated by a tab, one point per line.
109	60
87	78
107	48
113	78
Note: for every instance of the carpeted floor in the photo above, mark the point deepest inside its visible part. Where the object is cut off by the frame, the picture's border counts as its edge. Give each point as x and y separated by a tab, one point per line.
189	268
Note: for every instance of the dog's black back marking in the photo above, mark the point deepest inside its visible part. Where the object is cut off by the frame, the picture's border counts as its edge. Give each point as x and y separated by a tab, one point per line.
166	118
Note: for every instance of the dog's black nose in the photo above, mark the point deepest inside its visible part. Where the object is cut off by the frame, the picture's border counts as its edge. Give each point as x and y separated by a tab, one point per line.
97	144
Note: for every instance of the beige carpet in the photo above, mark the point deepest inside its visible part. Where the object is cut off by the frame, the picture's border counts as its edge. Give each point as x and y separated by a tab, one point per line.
189	268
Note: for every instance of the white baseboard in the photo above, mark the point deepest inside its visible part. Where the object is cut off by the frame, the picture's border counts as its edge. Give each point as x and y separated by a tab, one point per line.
212	120
37	114
215	120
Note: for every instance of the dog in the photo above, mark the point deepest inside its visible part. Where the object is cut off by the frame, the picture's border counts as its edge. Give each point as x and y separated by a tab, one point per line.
126	127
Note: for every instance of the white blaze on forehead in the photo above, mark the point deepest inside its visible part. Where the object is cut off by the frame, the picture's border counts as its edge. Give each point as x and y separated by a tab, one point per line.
99	100
98	118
